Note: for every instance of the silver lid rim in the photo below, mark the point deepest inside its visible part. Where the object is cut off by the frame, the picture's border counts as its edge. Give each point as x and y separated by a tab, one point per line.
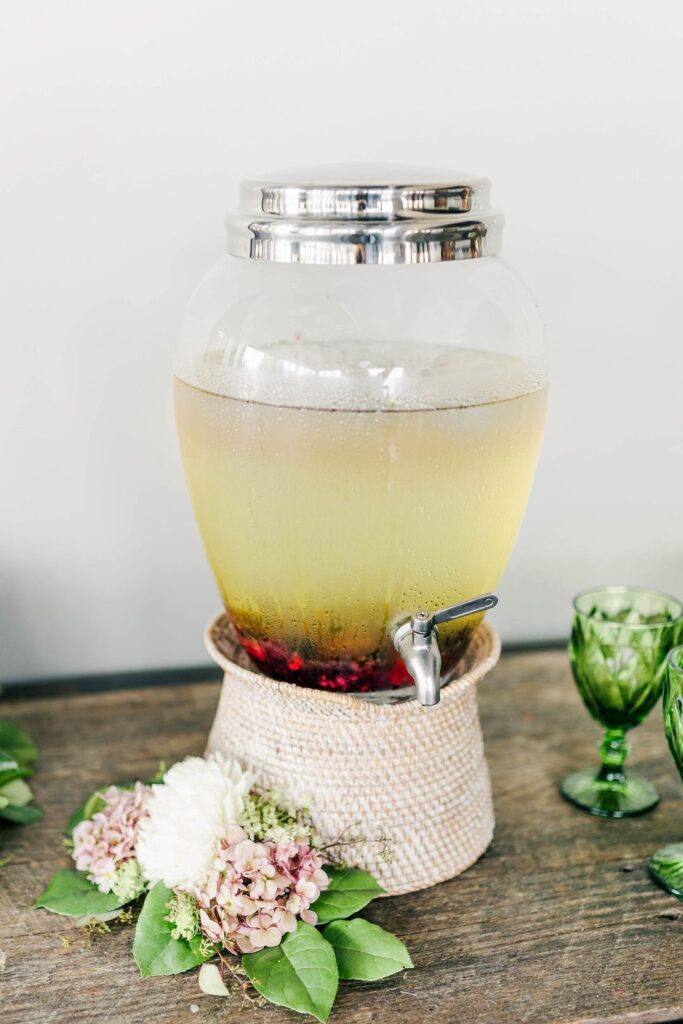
432	239
364	202
365	214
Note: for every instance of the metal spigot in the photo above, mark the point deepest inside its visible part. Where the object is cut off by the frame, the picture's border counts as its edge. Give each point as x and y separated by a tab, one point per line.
416	640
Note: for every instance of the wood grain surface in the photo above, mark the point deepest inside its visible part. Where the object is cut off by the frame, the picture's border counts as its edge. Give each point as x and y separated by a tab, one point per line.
557	923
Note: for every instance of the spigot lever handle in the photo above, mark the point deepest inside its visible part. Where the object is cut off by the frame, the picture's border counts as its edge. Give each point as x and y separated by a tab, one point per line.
416	640
424	622
459	611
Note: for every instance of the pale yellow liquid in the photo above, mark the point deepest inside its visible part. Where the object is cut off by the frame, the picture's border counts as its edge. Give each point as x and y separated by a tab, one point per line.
323	526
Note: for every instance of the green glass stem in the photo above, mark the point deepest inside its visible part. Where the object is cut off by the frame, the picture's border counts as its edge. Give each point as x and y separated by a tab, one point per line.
614	750
609	791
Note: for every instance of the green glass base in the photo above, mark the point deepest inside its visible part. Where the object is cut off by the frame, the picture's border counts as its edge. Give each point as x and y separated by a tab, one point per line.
610	798
666	867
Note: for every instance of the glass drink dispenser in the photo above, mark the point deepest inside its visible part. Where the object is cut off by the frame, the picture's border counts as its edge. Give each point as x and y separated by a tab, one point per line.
360	396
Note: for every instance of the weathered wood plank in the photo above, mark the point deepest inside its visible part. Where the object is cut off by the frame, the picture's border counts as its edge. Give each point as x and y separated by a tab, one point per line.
557	924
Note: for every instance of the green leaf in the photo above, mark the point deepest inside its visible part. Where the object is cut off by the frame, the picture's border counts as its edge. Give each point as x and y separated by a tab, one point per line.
91	806
10	768
16	793
21	815
364	951
8	762
158	776
15	740
301	973
154	948
3	801
72	894
350	890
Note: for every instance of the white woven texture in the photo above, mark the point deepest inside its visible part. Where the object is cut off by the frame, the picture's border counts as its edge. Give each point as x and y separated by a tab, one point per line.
405	778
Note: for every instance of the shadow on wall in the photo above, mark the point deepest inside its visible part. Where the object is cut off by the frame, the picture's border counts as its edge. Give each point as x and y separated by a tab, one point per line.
19	652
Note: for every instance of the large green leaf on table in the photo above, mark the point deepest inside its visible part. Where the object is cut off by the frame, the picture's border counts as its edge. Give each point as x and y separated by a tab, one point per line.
364	951
350	890
301	973
155	950
72	894
11	768
15	796
17	792
16	742
21	815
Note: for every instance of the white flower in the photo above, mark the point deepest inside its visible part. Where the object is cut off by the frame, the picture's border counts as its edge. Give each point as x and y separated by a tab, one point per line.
187	816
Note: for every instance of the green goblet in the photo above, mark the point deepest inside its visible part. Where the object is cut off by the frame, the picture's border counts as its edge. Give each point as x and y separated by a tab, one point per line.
618	647
666	867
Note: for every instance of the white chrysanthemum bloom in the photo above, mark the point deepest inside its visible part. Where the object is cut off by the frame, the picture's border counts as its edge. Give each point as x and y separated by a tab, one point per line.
186	816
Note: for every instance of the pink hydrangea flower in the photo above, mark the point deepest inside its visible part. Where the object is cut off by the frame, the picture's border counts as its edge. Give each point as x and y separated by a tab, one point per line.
104	845
255	891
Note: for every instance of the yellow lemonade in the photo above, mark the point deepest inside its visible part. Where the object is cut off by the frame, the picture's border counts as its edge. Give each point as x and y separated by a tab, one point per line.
323	526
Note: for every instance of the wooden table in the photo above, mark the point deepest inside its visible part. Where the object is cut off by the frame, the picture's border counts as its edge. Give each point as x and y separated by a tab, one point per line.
558	922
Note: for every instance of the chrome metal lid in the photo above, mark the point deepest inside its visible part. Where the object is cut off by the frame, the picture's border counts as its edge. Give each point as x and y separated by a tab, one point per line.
365	214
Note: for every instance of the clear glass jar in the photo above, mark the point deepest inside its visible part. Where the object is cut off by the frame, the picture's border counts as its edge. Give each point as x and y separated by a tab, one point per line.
360	397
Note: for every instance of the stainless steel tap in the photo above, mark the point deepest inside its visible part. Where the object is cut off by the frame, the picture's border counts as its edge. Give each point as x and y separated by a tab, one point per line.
416	638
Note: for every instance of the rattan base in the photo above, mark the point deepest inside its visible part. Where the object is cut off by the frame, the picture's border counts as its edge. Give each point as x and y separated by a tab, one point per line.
411	781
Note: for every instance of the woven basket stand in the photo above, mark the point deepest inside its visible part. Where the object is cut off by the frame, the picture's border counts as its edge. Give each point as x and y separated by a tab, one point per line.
411	782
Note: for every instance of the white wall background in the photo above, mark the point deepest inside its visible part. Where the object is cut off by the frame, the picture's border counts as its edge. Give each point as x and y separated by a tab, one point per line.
125	128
